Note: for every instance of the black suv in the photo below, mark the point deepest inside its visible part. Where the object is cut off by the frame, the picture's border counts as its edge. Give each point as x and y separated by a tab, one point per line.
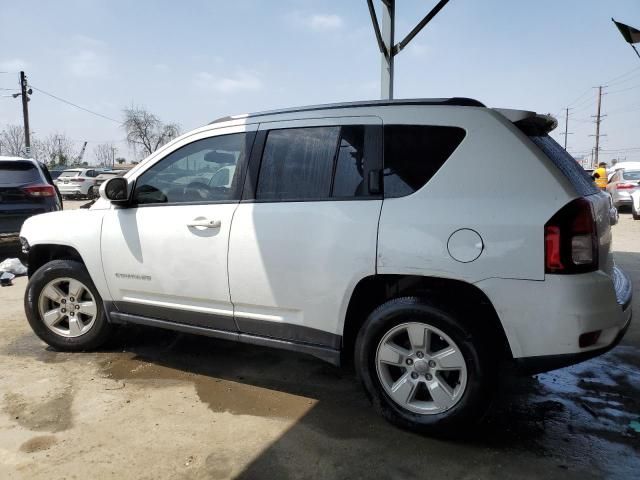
26	189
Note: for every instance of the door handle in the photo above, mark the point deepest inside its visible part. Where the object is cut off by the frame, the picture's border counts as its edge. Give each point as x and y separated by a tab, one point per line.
204	223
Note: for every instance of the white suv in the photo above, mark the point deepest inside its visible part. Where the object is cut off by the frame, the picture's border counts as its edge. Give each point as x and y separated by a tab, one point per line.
77	182
429	241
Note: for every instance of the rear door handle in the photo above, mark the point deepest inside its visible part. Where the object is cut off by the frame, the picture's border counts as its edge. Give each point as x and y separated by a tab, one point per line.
204	223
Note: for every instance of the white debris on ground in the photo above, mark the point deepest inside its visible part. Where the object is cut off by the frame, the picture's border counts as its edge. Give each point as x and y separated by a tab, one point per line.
14	266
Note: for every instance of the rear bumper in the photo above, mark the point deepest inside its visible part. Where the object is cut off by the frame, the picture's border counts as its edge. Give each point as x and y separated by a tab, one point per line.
545	363
543	320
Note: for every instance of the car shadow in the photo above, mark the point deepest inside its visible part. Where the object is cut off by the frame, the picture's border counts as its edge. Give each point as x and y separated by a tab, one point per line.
562	417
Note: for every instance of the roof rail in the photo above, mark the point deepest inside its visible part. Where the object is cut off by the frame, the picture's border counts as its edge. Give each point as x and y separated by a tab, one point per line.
456	101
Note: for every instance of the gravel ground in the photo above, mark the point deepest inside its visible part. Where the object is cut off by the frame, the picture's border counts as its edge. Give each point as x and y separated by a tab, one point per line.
158	404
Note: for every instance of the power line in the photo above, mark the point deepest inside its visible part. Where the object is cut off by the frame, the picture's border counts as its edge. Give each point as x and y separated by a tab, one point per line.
76	106
615	80
625	89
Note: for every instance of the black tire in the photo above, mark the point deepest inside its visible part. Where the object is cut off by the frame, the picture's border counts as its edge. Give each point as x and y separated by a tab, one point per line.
481	371
97	335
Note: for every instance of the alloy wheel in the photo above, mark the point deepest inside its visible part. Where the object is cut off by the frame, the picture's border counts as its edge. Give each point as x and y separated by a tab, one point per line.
421	368
67	307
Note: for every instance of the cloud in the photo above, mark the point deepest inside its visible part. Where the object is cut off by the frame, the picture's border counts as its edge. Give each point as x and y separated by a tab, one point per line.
319	22
88	58
241	81
161	67
325	22
87	63
13	65
419	49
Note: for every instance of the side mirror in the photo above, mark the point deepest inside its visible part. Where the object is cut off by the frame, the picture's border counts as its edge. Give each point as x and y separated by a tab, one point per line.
115	190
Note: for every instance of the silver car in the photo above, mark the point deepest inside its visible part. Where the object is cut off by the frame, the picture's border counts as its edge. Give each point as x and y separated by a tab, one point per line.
621	185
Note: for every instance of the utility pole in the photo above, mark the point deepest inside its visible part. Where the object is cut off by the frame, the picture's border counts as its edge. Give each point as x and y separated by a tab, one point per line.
598	116
59	151
25	112
566	127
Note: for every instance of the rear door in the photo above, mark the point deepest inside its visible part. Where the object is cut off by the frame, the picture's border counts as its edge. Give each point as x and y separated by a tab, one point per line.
305	232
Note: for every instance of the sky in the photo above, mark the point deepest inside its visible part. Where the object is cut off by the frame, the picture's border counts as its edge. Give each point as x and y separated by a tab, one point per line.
193	61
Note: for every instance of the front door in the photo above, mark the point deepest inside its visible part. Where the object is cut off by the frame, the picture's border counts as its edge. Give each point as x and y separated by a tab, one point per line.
165	256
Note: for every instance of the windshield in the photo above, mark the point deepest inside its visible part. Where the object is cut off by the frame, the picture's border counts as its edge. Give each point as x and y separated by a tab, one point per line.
69	173
17	172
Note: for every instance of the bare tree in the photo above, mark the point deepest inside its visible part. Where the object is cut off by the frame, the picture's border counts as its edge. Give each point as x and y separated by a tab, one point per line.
145	130
57	149
105	154
12	139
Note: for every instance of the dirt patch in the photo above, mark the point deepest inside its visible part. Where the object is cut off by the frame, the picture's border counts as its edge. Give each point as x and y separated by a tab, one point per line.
50	415
30	346
38	444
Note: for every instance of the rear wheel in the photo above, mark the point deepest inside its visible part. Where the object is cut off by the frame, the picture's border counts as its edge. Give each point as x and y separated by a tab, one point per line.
423	369
64	308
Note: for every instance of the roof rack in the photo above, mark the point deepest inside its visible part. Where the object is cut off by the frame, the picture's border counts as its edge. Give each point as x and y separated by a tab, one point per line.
456	101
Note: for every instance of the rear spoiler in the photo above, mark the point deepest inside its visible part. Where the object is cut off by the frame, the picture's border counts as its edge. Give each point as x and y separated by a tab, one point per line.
531	123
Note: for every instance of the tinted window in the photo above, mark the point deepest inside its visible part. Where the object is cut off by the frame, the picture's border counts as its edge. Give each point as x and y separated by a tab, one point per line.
572	171
69	173
414	153
359	153
631	175
17	172
204	170
297	164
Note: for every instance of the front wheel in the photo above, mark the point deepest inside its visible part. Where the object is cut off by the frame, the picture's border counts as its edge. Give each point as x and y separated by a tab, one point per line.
423	368
64	308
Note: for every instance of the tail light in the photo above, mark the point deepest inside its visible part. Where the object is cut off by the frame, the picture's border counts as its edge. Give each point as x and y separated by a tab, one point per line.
39	191
571	240
78	180
626	186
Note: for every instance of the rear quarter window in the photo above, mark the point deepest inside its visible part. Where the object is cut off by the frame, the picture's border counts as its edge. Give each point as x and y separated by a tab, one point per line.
414	153
17	172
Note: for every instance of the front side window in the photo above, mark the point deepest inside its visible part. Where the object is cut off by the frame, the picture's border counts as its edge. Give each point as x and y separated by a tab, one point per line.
202	171
414	153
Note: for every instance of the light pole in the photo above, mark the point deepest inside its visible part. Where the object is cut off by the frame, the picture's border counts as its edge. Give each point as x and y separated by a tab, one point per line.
385	39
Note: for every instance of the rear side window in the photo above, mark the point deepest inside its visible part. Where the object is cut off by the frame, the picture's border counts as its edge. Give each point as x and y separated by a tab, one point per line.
631	175
297	164
319	163
579	179
17	172
414	153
